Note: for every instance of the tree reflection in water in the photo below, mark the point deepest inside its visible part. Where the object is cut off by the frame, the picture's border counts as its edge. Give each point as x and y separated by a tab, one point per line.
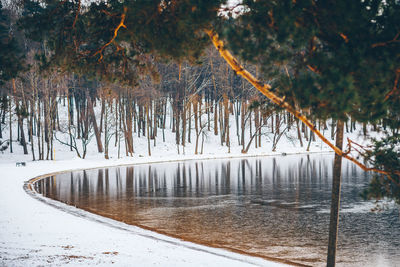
271	206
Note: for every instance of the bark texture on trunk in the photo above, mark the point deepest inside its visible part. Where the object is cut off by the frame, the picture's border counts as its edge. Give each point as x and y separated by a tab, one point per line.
335	202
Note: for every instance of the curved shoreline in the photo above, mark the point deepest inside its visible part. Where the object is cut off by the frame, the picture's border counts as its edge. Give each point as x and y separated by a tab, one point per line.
161	236
198	157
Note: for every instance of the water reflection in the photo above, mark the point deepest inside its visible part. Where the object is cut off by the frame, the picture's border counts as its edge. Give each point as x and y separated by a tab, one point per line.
276	207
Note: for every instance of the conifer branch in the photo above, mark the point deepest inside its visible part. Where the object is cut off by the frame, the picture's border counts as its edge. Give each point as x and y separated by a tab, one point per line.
121	24
394	40
108	13
77	14
313	69
344	37
265	89
396	81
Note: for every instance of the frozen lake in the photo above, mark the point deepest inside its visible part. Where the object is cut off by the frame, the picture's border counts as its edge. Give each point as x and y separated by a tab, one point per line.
269	206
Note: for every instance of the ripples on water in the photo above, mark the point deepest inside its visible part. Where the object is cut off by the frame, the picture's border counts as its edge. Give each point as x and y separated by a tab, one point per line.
272	206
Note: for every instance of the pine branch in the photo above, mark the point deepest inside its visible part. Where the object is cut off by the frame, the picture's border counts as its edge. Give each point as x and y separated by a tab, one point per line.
77	14
265	89
121	24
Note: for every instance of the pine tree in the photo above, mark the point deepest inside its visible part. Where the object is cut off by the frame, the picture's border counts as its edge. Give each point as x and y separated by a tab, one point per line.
115	41
11	57
336	58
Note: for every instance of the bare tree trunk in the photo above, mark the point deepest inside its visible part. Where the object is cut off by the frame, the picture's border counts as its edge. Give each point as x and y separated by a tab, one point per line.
196	124
5	107
202	142
106	137
86	129
184	125
129	121
2	115
97	132
216	118
237	115
226	122
277	123
221	124
143	119
135	117
52	125
177	127
46	126
299	133
243	123
148	129
39	130
20	123
103	103
164	118
215	104
364	127
259	129
10	124
150	117
127	124
256	126
208	106
58	119
70	119
155	119
31	128
272	125
200	100
335	202
123	126
22	132
117	125
42	137
172	118
189	130
252	137
309	141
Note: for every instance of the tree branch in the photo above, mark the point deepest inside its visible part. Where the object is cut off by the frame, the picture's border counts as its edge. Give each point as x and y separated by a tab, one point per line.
394	86
388	42
76	14
121	24
265	89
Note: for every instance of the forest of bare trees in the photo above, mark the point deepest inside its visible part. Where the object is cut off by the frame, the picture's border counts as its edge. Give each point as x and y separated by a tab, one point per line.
191	101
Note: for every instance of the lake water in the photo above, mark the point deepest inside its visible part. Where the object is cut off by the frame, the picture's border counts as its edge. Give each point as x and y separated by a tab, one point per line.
268	206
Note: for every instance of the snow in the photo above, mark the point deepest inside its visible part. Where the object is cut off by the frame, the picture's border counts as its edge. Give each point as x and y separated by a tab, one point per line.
365	207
